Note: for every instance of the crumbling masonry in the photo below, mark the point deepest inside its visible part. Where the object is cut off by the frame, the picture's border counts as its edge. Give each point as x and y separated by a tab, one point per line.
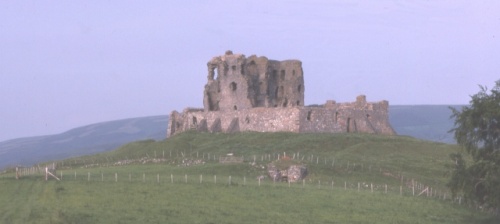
258	94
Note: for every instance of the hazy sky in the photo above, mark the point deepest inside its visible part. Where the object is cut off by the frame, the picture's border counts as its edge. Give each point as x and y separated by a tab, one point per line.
65	64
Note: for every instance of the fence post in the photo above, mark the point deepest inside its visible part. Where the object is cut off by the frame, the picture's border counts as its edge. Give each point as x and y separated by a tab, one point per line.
201	178
171	178
116	177
143	177
186	178
215	179
88	176
157	178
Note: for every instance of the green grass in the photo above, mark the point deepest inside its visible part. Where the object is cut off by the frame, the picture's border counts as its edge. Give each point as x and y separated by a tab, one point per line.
379	160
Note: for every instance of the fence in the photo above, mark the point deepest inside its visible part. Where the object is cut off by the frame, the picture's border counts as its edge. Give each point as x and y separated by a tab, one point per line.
408	186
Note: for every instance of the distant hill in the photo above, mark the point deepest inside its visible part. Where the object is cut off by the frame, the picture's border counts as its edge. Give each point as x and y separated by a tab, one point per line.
425	122
429	122
84	140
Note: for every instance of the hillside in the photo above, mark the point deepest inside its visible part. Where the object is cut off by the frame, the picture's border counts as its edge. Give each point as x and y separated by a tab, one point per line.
352	178
84	140
429	122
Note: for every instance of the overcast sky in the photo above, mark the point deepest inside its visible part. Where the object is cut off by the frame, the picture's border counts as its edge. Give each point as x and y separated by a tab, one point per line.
65	64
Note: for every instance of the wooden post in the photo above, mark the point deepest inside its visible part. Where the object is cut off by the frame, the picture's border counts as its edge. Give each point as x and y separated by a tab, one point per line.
116	177
358	186
201	178
75	175
332	184
143	177
401	190
229	180
303	183
46	173
259	182
244	181
171	178
215	179
186	178
371	186
157	178
88	176
386	188
319	184
129	177
345	185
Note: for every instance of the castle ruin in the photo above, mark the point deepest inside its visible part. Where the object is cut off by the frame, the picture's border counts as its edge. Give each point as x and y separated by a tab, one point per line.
258	94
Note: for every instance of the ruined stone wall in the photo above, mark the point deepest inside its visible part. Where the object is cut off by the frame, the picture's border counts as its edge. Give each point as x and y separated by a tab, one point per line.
254	119
357	117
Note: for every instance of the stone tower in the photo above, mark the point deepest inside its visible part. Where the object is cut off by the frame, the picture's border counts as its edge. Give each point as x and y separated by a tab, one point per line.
236	82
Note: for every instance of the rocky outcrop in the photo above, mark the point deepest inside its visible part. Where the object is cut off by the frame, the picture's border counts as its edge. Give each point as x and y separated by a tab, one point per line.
292	174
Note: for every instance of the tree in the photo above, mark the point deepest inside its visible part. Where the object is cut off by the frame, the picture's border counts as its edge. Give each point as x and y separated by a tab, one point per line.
477	130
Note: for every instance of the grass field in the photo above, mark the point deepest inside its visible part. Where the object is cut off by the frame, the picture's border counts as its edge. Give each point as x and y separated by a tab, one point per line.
145	193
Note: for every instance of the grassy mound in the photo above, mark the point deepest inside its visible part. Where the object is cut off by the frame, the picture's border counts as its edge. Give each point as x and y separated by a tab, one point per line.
353	178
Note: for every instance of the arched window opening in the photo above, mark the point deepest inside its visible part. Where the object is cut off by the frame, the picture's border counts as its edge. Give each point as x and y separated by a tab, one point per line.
195	121
247	120
309	115
298	102
293	72
299	88
233	86
233	67
282	75
285	103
